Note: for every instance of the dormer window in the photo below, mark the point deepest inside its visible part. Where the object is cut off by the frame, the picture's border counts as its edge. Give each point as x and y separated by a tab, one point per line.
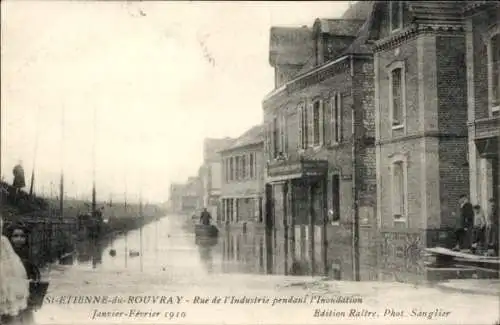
396	15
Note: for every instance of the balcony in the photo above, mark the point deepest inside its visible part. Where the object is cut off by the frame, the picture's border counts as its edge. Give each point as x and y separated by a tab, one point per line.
487	127
279	170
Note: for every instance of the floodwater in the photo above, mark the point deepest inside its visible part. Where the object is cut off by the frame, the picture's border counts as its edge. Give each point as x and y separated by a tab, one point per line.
171	279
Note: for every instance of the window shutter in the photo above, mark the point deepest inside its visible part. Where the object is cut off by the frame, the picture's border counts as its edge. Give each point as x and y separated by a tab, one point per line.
271	144
282	133
321	122
310	125
327	122
268	141
339	117
285	133
300	112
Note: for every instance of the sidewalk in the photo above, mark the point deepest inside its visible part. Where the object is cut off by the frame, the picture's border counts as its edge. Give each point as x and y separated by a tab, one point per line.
473	286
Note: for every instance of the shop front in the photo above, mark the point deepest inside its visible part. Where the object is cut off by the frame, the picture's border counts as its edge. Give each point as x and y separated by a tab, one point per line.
296	215
487	143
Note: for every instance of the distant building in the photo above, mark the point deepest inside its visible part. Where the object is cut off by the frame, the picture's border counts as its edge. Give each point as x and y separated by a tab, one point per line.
210	174
186	198
243	178
175	199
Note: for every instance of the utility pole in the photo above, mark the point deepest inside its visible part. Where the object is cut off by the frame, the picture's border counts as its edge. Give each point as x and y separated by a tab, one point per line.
61	185
93	164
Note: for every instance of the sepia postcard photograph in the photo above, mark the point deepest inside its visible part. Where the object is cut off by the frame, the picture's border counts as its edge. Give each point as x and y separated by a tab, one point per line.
249	162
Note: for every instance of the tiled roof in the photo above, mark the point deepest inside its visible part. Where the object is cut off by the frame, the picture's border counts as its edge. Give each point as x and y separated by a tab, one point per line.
253	136
290	45
340	27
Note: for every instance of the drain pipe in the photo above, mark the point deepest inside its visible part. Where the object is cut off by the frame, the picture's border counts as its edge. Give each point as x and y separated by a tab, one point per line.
355	199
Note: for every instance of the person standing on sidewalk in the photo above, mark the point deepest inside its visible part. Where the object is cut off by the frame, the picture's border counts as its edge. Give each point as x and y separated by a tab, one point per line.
463	233
479	229
492	225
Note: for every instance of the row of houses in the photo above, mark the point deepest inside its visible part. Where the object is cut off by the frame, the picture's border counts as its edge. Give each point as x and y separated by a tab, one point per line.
379	121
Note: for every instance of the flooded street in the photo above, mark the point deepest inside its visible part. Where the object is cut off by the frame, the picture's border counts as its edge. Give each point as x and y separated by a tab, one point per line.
178	281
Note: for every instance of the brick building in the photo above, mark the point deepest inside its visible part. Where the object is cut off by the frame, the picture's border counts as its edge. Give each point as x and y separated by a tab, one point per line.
319	124
430	81
210	174
483	87
243	178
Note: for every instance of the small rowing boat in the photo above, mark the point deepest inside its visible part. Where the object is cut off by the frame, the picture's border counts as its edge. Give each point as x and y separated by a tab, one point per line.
206	230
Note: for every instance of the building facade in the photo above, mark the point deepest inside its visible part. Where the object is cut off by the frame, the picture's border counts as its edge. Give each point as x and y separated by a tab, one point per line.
320	130
243	178
483	86
186	198
210	174
436	123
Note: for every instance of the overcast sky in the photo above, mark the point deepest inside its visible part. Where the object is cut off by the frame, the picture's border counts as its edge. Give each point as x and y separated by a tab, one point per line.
144	68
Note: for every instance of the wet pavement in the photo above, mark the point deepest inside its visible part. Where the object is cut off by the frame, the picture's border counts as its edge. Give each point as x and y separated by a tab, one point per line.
179	281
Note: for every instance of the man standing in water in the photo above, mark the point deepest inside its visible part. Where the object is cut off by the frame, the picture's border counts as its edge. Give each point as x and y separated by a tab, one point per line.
205	217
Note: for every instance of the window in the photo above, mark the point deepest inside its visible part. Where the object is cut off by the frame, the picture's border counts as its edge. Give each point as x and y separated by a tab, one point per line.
275	138
399	190
396	10
269	141
251	171
316	123
231	167
283	134
244	167
238	168
226	170
494	62
396	97
336	118
302	111
335	211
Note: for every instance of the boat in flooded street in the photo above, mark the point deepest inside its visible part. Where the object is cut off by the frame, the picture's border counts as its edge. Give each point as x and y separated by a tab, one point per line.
206	231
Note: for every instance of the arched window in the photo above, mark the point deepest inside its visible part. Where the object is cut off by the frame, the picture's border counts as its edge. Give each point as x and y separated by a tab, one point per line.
397	91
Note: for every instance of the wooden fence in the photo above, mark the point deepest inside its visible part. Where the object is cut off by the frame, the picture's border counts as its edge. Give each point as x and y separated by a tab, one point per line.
50	238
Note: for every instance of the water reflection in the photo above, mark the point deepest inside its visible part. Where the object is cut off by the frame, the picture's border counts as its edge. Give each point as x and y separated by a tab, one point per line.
90	252
247	251
205	249
165	246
